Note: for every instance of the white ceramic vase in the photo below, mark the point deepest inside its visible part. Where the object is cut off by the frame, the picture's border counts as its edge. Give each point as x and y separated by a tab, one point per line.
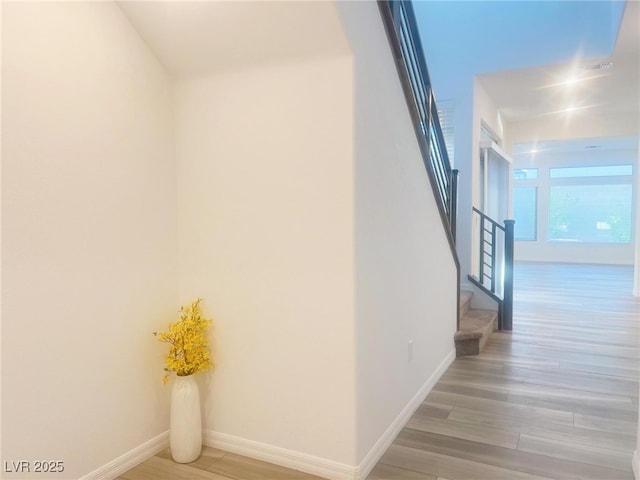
185	430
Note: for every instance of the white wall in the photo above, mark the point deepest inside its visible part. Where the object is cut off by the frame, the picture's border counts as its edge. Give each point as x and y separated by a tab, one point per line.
486	115
266	212
465	124
635	462
578	125
405	275
274	235
474	108
89	235
636	271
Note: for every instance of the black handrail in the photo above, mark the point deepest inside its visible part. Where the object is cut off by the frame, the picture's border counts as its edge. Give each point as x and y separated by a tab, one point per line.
402	31
495	267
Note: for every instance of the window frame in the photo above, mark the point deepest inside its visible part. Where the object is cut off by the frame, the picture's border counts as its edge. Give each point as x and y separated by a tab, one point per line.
536	189
544	183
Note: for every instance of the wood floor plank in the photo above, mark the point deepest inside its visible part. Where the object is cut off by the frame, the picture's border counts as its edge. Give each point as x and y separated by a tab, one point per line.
623	442
507	458
452	468
388	472
582	381
627	412
156	468
208	456
604	424
244	468
503	421
581	356
496	407
451	428
491	392
561	394
592	455
507	359
467	366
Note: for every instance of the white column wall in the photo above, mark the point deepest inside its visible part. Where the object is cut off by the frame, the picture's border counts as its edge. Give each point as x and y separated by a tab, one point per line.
473	109
89	235
265	205
468	181
636	270
405	274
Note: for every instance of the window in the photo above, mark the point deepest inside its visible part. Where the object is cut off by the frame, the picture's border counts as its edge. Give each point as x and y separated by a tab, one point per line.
590	213
598	171
525	212
580	204
525	173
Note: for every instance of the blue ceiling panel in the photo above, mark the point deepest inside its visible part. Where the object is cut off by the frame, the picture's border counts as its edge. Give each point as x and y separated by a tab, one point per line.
471	37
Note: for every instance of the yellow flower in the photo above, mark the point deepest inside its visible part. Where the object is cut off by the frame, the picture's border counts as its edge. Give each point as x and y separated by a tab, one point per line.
189	343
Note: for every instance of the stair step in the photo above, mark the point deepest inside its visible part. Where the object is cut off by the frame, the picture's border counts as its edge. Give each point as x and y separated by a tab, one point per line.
475	328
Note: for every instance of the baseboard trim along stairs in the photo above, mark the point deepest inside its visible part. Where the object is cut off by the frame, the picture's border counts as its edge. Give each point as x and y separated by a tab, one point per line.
476	326
280	456
322	467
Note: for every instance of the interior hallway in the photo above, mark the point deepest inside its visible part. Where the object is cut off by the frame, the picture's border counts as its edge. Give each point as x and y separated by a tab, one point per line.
555	399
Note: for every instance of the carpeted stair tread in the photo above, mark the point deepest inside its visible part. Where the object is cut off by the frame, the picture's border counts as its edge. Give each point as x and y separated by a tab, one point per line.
482	320
476	325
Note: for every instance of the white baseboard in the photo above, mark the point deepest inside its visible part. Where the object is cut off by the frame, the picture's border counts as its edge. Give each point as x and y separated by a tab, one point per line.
130	459
383	443
320	466
288	458
635	465
281	456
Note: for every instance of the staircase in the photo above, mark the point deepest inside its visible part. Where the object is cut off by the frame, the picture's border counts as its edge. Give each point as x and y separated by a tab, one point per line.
475	327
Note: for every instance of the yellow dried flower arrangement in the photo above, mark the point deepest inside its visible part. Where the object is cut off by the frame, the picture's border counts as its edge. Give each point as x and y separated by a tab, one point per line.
188	338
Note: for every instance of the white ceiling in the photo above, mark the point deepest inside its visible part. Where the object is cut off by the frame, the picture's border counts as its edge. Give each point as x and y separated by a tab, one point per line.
577	145
536	92
199	37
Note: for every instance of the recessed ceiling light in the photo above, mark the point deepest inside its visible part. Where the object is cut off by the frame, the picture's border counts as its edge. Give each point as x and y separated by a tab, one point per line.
572	80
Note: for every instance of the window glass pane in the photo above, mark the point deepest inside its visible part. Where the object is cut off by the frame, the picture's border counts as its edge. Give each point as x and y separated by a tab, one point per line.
524	212
599	171
525	173
590	213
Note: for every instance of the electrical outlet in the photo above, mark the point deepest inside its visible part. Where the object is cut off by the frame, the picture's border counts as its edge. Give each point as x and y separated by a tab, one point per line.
410	350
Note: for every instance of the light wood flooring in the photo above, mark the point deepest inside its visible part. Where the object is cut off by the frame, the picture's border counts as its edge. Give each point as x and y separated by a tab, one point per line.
555	399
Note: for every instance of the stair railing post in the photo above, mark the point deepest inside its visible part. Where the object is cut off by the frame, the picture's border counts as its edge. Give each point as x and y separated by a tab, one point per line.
507	321
453	202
